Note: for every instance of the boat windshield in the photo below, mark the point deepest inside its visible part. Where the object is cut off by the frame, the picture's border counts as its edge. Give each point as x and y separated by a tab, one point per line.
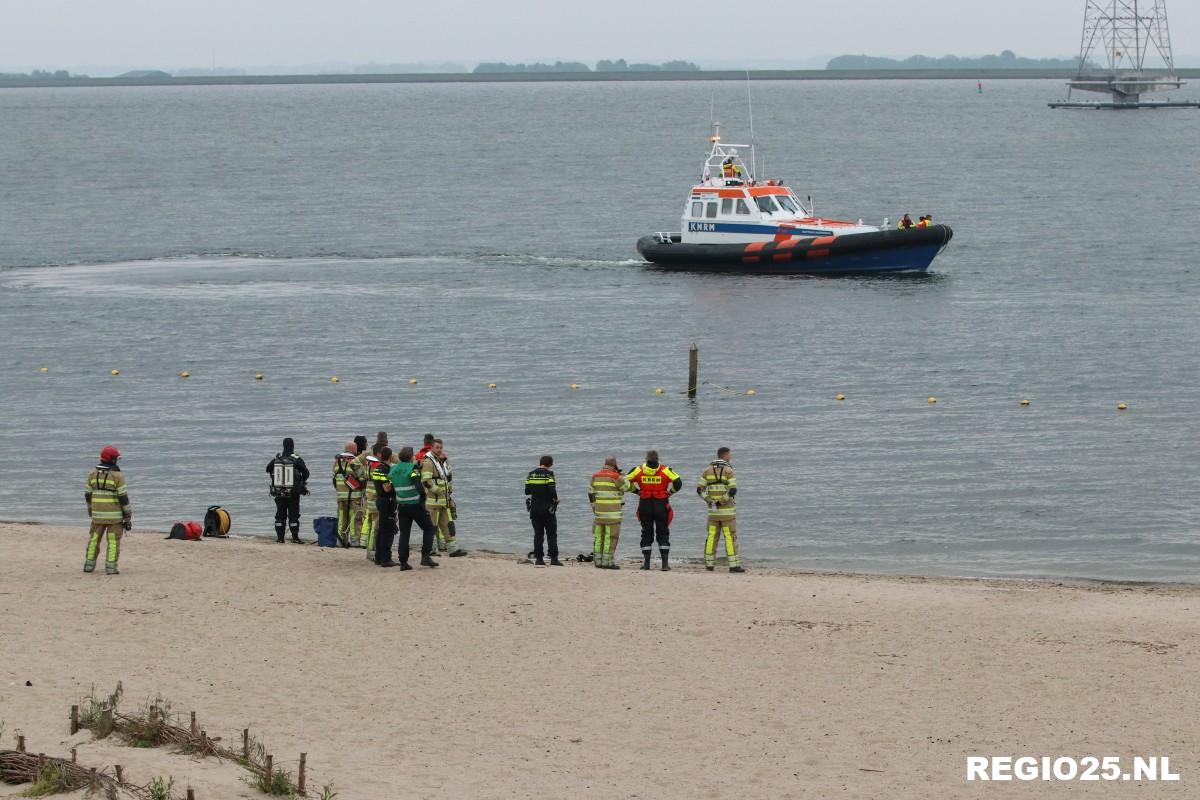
788	204
766	204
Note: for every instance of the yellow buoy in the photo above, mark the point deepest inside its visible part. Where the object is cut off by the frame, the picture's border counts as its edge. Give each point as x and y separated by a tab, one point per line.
334	379
931	400
185	374
750	393
491	386
840	397
258	376
116	372
412	381
574	385
1024	402
658	390
1121	406
45	369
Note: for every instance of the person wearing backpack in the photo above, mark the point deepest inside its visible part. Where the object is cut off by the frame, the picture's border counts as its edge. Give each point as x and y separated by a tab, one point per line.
342	480
289	480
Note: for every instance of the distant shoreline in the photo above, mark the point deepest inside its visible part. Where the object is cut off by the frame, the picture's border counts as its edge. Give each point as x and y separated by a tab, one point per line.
584	77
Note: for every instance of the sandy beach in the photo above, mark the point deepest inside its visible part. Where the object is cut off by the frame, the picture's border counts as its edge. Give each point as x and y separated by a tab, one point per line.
490	679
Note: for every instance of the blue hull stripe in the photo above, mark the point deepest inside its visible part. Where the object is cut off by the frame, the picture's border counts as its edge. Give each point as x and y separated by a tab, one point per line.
765	230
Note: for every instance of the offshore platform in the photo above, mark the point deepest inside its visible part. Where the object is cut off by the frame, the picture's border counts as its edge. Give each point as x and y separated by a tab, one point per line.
1120	37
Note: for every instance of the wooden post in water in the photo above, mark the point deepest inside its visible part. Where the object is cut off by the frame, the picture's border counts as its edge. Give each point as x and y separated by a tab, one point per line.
693	369
74	720
300	777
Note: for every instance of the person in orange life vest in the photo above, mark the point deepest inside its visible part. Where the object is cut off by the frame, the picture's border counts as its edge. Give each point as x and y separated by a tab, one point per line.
654	483
925	221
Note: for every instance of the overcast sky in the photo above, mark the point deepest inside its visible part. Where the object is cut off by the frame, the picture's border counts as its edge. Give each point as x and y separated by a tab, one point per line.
181	33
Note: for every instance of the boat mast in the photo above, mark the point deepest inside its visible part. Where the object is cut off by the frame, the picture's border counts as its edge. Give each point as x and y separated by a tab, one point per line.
750	108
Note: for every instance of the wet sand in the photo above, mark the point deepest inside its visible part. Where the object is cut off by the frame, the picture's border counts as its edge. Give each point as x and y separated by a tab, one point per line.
489	679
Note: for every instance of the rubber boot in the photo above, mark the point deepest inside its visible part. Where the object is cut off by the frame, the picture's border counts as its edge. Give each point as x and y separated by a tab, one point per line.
666	567
737	569
279	533
89	566
110	568
645	559
554	562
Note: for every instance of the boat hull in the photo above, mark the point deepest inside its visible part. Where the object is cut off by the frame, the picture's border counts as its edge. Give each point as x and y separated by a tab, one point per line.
910	250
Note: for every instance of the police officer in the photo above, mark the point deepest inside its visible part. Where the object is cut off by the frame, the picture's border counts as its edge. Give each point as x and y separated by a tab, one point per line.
718	488
654	483
541	501
108	505
384	530
287	498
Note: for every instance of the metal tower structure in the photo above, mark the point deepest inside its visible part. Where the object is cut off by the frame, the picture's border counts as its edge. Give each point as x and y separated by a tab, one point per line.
1125	52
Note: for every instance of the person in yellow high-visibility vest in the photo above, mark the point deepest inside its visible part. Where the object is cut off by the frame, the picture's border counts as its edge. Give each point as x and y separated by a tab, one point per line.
370	523
359	474
606	493
341	471
718	488
108	505
437	479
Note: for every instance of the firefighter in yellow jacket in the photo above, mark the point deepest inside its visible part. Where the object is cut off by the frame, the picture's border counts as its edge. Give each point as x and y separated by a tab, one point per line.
606	493
342	476
437	479
718	488
360	474
370	523
108	505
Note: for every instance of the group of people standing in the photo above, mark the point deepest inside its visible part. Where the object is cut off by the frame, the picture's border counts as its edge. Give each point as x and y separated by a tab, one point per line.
380	494
654	483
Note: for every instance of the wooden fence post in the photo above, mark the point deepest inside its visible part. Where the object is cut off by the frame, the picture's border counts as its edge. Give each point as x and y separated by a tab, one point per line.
193	723
120	774
246	743
270	758
191	794
73	755
74	720
20	744
300	778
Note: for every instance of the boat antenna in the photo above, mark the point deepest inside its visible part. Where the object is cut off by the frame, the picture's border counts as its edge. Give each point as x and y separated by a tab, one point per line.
750	109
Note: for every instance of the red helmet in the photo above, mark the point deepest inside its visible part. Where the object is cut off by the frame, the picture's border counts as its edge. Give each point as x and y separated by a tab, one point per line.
110	453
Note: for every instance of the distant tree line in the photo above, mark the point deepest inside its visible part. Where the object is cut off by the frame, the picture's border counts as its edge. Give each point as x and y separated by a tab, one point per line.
40	74
1005	60
620	65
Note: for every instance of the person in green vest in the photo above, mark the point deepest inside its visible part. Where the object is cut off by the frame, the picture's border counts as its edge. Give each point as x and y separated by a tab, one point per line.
409	492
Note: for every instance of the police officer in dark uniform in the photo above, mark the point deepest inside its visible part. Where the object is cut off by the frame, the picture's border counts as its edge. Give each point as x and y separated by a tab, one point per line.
385	504
541	499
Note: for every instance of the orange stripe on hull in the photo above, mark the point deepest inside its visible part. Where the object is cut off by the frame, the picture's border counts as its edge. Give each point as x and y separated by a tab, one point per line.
782	257
818	253
754	247
820	240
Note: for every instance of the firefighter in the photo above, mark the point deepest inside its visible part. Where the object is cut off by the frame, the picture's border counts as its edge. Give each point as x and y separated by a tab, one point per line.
108	505
541	501
437	480
606	494
342	473
654	483
718	489
359	474
289	480
377	468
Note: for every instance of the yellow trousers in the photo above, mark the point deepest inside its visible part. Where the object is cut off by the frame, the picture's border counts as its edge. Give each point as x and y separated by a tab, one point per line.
726	528
97	531
605	535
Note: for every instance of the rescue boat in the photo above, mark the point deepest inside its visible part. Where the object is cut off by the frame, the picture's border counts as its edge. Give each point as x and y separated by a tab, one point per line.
736	223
